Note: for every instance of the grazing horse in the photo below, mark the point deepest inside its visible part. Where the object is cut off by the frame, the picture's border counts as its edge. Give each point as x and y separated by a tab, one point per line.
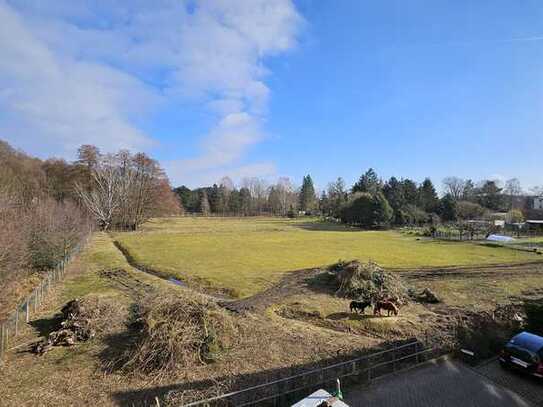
359	305
389	306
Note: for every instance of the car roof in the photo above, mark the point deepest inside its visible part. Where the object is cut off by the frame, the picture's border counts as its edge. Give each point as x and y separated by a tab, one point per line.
527	340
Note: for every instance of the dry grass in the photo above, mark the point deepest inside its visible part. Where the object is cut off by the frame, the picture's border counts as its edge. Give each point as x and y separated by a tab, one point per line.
177	332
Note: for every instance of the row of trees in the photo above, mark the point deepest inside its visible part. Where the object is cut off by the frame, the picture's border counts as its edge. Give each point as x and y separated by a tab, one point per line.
253	197
369	202
39	223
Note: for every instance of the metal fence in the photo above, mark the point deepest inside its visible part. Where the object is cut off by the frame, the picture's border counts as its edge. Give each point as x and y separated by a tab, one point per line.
363	369
459	235
10	327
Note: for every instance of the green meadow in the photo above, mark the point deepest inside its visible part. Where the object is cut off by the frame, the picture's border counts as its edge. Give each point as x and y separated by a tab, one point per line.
247	255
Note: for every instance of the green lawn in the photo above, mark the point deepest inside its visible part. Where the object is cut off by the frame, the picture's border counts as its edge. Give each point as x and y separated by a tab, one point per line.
249	254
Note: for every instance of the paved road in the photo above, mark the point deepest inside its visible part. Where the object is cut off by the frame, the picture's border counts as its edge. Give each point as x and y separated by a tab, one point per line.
529	388
440	383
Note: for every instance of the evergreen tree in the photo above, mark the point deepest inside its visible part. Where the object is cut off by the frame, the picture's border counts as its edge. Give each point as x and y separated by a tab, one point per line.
368	182
393	192
427	196
214	199
490	196
410	191
234	202
245	201
448	208
307	195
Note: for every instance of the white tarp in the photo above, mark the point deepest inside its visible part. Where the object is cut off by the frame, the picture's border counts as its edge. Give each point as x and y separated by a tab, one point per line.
499	238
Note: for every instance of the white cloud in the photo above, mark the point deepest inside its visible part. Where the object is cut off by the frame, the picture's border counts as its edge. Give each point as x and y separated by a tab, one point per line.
78	72
52	103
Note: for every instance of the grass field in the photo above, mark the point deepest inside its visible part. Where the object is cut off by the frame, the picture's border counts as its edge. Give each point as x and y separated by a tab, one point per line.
247	255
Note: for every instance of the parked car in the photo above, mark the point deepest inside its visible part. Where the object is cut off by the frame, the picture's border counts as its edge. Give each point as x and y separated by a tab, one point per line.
524	352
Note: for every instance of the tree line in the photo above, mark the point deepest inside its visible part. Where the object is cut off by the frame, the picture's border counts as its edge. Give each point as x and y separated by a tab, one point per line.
370	202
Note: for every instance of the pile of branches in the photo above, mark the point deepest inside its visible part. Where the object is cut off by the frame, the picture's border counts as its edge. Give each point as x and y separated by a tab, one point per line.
367	282
81	320
175	332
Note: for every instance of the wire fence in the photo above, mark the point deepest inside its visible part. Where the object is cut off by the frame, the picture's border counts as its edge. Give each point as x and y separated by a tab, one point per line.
10	327
363	369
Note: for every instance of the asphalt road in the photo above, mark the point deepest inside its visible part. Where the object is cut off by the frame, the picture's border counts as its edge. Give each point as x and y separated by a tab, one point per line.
449	383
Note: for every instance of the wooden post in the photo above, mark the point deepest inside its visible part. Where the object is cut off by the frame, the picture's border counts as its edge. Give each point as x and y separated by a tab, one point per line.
27	307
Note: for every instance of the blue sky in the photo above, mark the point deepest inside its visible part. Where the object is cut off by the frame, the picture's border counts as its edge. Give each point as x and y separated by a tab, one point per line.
281	88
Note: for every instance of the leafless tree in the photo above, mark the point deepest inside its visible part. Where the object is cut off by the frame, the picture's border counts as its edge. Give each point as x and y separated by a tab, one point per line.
454	186
104	198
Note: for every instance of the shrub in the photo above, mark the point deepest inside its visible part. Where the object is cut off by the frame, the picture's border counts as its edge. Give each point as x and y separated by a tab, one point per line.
367	210
534	316
485	333
469	210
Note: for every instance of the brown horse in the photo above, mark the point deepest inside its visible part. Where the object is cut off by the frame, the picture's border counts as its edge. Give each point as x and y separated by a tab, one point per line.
389	306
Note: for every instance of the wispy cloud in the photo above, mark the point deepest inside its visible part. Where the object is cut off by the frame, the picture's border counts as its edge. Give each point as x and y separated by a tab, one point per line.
74	72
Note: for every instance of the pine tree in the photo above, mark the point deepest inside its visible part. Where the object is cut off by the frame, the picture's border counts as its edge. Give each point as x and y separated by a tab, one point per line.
428	199
368	182
307	195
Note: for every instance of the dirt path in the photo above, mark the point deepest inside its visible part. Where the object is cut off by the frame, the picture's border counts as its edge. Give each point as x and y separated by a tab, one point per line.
501	270
293	283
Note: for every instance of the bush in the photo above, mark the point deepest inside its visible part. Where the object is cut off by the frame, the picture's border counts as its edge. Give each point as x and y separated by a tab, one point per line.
54	230
469	210
534	316
485	333
367	210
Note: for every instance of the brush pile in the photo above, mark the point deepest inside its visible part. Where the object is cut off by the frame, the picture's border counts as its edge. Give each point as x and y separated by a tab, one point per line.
80	320
367	282
176	332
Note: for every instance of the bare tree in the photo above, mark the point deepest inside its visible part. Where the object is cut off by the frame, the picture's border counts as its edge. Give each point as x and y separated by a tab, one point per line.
454	186
258	188
104	198
513	189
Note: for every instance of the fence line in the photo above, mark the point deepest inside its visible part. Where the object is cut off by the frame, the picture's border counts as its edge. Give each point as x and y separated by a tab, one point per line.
24	310
365	368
